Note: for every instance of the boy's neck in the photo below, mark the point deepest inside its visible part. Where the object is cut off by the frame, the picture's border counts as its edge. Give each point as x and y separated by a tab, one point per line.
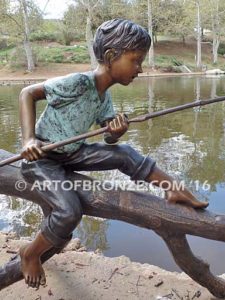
103	80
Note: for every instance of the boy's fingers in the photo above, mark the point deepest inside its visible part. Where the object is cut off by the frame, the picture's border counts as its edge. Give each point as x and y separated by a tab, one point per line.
27	156
119	122
112	124
36	151
40	152
33	152
123	119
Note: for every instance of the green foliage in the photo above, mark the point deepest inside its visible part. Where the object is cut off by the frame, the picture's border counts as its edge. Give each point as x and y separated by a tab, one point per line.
62	54
17	58
163	60
221	49
176	62
43	36
5	55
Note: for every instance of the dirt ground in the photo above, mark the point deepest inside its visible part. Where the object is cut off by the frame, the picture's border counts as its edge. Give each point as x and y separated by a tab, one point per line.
80	275
44	72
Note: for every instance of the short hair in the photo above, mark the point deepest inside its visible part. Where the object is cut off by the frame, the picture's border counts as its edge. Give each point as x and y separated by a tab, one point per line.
120	34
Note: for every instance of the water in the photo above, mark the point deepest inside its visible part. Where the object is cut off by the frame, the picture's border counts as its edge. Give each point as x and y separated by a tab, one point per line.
188	145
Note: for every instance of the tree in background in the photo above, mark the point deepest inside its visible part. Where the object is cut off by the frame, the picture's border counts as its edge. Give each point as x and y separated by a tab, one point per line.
217	18
199	35
151	60
26	34
18	19
90	7
73	25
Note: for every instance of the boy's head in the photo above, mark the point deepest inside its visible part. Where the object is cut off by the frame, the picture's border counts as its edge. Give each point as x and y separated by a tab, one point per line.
119	35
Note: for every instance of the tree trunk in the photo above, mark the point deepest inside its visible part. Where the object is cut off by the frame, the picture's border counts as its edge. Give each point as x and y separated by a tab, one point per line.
150	30
27	45
89	39
216	44
216	33
199	37
171	222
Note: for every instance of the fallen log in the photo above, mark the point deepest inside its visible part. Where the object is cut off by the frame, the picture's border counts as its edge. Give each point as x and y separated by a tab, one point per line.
170	222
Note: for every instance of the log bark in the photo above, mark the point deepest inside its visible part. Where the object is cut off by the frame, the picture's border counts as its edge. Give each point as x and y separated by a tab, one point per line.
170	222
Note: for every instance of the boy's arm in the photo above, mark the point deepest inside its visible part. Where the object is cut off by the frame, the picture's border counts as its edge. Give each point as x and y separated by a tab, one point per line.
117	127
27	112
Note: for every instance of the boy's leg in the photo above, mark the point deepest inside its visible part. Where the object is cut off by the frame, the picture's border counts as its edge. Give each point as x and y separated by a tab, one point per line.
30	260
48	177
100	156
173	194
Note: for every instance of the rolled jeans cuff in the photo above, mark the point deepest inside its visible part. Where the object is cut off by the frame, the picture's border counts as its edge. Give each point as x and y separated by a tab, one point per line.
144	169
55	240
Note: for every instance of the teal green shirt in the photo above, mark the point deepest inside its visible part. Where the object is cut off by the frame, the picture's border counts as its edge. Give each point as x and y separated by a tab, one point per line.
73	107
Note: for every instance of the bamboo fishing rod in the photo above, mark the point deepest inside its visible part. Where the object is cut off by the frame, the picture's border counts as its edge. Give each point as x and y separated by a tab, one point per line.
141	118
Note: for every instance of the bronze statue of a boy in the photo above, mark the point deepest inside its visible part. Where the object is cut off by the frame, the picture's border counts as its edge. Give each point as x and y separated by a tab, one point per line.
75	102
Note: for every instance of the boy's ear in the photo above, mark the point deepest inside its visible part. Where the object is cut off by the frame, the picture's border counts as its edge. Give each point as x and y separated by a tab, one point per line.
109	56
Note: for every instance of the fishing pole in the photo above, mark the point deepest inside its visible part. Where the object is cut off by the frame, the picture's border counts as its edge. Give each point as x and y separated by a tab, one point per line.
92	133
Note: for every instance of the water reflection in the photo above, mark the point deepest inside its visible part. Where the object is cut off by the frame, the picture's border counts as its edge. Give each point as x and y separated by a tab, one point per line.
188	144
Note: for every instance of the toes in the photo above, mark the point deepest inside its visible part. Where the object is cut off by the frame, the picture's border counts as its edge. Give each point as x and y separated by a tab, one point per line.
38	282
32	283
42	279
26	279
201	204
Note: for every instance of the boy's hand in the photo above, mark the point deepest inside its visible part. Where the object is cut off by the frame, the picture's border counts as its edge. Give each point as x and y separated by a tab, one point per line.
118	126
32	150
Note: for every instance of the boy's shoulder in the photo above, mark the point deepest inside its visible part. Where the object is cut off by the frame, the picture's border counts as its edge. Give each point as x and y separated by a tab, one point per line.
72	78
76	83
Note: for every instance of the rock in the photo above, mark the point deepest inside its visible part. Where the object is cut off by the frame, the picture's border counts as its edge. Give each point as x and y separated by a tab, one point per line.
12	236
98	252
82	249
147	274
74	245
159	282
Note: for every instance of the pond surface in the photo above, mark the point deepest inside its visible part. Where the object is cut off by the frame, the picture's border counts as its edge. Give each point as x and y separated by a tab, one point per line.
189	145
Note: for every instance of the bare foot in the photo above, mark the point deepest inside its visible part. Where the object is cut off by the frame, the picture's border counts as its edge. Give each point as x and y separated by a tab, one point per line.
32	269
184	197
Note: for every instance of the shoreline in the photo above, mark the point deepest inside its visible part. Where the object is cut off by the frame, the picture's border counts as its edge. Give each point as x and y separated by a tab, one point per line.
32	80
79	275
41	73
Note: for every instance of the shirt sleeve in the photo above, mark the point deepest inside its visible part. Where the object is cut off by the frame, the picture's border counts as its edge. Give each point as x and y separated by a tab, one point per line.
107	111
60	91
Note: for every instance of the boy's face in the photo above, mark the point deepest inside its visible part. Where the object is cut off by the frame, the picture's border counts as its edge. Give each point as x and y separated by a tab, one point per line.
127	66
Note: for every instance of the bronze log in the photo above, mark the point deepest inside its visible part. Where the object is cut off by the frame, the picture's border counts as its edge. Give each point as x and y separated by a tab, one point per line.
171	222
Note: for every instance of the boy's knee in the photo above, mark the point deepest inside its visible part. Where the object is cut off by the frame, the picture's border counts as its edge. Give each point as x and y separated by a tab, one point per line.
133	164
70	217
125	151
64	220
